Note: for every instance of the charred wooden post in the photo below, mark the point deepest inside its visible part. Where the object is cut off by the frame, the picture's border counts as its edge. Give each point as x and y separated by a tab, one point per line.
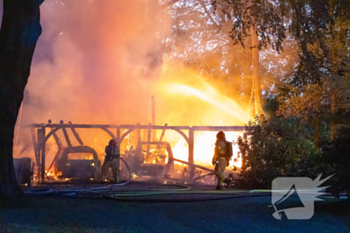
66	135
38	155
149	132
191	151
118	137
159	143
163	132
154	138
194	165
35	146
58	153
42	143
138	135
144	135
76	135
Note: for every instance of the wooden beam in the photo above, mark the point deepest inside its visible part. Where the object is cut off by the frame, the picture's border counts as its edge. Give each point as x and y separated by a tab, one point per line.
161	127
106	126
218	128
194	165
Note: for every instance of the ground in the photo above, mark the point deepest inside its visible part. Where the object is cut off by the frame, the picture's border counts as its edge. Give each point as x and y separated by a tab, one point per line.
239	212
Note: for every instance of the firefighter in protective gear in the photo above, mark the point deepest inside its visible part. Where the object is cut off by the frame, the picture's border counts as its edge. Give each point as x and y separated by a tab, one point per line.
111	161
221	159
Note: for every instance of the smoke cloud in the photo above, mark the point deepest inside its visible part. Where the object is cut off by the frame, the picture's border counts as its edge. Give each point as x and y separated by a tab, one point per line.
99	62
95	62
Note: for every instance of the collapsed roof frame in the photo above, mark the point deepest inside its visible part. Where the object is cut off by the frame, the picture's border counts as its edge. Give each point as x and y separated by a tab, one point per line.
39	140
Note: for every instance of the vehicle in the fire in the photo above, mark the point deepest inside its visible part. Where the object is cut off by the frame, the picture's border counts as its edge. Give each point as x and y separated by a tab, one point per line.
155	163
78	162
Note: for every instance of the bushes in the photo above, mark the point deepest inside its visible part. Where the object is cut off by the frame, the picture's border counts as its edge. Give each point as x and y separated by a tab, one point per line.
337	154
278	147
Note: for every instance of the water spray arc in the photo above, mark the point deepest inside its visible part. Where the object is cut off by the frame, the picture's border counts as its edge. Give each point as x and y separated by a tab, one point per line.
210	95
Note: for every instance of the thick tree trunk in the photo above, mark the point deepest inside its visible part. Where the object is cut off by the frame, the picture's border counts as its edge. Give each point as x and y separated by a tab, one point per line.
256	72
332	125
19	33
317	132
334	69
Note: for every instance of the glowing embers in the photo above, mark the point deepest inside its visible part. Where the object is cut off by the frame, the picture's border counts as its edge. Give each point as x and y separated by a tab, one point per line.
192	146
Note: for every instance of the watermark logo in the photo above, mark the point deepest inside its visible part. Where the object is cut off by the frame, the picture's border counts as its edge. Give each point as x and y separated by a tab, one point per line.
293	197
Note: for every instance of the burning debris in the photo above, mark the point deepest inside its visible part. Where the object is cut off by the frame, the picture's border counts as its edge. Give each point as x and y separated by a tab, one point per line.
147	158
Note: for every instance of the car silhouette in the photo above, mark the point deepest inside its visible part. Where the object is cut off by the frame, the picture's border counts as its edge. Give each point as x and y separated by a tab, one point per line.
79	162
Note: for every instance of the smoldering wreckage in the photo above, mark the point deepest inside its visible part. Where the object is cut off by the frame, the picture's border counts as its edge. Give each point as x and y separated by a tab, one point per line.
149	160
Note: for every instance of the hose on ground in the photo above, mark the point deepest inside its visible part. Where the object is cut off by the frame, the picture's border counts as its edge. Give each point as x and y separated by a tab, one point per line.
145	200
134	196
38	192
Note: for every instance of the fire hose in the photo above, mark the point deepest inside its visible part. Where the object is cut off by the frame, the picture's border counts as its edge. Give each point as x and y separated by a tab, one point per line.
35	192
98	190
133	196
105	192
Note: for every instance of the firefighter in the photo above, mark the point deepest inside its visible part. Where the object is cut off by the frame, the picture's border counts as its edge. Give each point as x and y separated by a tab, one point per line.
111	161
221	159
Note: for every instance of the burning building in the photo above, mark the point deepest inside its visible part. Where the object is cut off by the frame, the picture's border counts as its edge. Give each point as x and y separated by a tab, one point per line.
148	158
100	65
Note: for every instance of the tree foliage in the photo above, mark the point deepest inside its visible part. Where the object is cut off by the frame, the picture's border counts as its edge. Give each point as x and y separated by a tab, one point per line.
278	147
284	147
264	15
199	39
319	89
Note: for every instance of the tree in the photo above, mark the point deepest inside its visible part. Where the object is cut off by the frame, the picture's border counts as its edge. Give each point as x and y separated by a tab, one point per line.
199	39
319	89
19	33
278	147
262	21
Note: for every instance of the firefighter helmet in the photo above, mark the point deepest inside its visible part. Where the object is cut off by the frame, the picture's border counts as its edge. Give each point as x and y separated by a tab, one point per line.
220	135
112	142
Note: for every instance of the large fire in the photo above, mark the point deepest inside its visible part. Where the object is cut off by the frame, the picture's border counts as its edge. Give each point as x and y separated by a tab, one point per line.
204	148
202	104
106	73
188	90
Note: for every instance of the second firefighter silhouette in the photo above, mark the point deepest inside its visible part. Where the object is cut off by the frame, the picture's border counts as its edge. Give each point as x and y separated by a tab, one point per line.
111	161
221	158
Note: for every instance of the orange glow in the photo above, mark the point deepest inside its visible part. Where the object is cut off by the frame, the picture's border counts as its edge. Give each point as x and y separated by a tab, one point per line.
213	97
204	148
189	98
183	98
106	73
194	100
